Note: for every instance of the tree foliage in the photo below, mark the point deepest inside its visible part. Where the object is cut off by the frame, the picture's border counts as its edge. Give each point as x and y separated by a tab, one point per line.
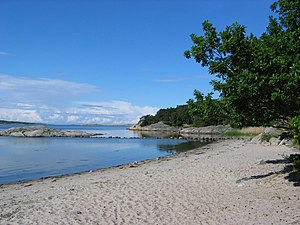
172	116
201	111
295	128
206	111
257	77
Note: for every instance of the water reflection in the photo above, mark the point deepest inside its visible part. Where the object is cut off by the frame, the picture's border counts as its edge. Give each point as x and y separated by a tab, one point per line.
182	147
155	134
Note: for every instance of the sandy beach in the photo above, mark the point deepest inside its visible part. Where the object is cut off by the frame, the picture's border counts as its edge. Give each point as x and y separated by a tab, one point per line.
229	182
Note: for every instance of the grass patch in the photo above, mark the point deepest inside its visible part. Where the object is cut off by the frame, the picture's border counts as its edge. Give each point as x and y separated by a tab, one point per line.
296	144
253	130
244	132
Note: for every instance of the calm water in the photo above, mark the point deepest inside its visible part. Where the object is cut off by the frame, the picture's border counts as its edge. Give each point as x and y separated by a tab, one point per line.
32	158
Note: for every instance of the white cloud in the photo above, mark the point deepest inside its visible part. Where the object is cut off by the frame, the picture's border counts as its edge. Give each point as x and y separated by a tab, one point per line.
60	101
113	112
41	90
20	115
73	118
24	105
97	120
114	107
56	117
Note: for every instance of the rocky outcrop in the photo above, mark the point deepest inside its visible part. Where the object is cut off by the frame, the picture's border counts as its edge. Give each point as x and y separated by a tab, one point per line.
272	131
160	126
273	136
205	130
42	131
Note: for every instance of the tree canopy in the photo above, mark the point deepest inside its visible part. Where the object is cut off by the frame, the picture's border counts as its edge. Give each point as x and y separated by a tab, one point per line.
201	111
178	116
206	111
257	77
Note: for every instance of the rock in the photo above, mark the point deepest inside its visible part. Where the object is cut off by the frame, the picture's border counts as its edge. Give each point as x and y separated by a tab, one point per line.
42	131
283	135
16	134
205	130
256	139
277	137
160	126
189	133
274	141
273	131
286	141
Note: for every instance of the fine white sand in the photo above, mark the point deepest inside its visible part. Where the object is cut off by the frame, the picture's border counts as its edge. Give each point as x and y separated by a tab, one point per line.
221	183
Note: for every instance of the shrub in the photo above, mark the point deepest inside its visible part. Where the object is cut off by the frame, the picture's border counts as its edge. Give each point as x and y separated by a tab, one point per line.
295	159
295	128
266	137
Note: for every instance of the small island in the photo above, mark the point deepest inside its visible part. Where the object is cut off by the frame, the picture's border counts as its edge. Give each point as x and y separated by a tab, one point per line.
6	122
43	131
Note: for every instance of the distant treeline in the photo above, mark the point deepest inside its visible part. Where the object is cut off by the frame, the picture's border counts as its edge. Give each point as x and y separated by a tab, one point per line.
12	122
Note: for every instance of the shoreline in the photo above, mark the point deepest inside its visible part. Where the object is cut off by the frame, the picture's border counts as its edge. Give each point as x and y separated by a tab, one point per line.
227	182
120	166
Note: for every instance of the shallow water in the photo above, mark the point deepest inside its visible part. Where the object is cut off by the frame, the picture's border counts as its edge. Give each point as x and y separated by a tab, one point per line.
32	158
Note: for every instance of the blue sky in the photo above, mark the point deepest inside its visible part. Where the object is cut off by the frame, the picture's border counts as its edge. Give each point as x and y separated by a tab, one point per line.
106	61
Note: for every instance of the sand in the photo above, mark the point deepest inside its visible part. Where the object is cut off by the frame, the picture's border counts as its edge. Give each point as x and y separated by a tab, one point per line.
230	182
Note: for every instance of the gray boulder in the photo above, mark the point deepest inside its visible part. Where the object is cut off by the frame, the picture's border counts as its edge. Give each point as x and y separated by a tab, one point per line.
274	141
273	136
273	131
256	139
286	141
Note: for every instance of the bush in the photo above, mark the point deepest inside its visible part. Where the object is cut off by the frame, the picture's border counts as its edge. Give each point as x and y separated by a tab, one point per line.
295	128
295	159
266	137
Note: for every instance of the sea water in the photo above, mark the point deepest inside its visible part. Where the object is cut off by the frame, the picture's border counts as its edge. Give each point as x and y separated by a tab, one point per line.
24	159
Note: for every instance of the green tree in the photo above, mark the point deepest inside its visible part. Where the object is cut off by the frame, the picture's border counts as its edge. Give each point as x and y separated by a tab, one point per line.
178	116
257	77
146	120
295	128
206	111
